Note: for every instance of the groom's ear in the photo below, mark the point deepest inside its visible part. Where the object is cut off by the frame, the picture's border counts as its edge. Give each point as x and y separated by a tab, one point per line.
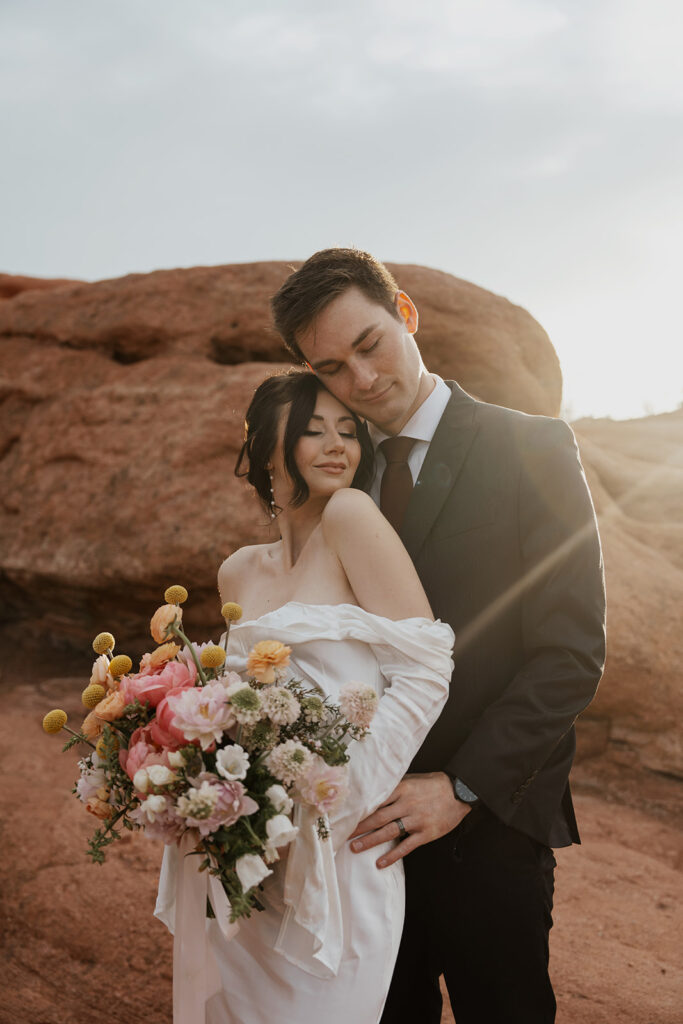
407	311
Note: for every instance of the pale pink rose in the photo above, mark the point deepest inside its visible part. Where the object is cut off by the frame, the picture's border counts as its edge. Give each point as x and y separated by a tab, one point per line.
162	619
152	686
323	786
100	673
202	713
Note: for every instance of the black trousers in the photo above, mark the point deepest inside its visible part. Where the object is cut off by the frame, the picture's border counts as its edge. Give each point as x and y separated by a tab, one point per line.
479	911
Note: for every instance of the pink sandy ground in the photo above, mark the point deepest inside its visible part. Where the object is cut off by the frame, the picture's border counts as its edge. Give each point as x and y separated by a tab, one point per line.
79	943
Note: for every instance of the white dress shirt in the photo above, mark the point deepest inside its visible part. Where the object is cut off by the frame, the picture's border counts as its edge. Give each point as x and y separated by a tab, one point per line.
421	425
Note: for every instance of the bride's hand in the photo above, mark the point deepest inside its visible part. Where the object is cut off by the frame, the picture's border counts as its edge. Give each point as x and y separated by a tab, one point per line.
428	809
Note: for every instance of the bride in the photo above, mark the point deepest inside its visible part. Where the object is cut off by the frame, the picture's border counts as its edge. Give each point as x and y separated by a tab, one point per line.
341	590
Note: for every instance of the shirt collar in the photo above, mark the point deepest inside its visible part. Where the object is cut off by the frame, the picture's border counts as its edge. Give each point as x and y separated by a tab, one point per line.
424	421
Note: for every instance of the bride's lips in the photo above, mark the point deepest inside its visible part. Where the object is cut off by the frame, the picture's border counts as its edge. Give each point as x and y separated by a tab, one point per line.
332	467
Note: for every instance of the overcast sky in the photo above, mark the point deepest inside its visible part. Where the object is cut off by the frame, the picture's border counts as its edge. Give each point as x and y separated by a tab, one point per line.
535	148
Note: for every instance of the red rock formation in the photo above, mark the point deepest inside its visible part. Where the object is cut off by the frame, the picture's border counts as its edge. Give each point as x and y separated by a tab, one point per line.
122	416
14	284
635	470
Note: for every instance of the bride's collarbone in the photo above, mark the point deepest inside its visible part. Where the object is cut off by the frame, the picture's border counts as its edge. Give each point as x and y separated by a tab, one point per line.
316	577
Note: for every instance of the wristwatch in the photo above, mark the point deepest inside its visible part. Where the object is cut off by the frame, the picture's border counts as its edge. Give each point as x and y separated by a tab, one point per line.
464	794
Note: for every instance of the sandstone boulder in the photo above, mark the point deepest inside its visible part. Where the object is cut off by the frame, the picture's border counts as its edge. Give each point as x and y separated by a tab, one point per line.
635	471
122	409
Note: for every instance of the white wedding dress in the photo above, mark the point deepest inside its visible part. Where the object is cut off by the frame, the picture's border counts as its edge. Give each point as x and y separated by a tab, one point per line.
325	946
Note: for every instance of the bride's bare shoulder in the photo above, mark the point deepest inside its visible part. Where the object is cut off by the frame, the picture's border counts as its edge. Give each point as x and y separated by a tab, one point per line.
236	566
350	506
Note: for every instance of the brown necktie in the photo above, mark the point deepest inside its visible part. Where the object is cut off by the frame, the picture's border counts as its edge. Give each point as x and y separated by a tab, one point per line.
397	480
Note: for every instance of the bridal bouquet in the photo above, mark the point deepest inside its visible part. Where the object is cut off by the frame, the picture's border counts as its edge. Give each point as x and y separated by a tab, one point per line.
184	745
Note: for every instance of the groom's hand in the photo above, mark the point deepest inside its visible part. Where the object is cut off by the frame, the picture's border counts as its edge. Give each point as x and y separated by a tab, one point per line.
428	809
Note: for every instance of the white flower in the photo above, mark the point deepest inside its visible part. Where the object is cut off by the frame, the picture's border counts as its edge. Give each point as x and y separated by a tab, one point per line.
176	759
358	703
153	806
280	799
288	760
92	778
232	762
141	780
280	832
281	706
160	775
251	870
198	803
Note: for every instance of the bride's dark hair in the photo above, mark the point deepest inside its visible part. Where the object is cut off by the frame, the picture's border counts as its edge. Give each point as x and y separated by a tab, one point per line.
298	389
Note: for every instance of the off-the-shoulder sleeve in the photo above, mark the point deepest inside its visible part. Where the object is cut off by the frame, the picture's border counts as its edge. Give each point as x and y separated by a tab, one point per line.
415	658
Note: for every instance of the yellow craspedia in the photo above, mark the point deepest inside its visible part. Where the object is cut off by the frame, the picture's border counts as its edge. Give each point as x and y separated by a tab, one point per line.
102	748
54	721
231	611
175	594
212	656
120	665
102	643
92	695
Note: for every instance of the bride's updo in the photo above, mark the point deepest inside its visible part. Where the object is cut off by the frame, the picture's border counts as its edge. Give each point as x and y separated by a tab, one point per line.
299	389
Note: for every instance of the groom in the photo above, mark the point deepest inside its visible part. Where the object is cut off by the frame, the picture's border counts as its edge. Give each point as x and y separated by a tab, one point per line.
494	509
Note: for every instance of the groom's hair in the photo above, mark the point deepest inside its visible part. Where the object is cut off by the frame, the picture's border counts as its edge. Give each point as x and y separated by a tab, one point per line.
322	278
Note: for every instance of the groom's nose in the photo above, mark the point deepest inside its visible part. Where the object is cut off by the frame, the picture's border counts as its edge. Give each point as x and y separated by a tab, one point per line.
364	375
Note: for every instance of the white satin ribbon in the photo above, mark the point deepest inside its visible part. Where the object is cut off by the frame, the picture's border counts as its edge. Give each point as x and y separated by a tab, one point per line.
195	972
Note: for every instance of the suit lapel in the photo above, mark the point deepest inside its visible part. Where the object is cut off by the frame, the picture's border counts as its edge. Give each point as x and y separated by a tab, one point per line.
443	462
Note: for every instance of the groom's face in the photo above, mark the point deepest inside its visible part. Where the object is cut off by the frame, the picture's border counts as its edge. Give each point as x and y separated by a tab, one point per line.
368	358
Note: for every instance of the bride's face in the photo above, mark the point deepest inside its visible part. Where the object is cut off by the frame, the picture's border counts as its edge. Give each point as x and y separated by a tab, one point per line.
328	452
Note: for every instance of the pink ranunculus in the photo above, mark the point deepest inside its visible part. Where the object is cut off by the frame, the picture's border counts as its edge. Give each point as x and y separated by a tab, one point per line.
152	687
162	730
141	753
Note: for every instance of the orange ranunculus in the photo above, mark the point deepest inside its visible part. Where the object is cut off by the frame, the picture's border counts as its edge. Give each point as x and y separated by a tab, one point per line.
111	707
166	652
162	619
92	726
268	660
100	808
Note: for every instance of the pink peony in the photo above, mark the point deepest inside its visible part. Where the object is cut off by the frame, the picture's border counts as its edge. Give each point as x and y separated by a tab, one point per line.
201	713
141	753
323	786
152	686
162	730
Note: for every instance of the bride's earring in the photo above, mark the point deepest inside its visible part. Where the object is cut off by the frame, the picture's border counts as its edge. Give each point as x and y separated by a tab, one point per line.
273	512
